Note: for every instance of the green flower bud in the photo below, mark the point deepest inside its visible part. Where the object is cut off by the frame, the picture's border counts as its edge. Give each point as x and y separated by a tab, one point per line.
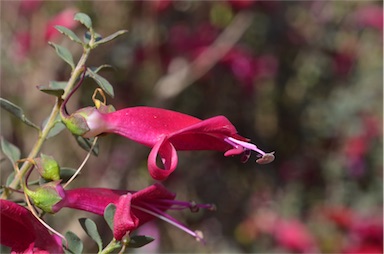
76	122
48	168
45	196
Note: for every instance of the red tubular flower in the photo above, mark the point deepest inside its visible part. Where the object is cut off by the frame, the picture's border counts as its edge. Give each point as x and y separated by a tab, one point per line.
22	232
167	131
133	208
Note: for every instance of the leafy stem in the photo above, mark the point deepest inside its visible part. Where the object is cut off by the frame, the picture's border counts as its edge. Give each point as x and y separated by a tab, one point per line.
113	245
77	71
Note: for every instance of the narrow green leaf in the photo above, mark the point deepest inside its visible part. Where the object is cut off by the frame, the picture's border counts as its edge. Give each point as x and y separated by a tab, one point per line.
69	33
58	92
64	54
16	111
75	245
111	37
90	228
138	241
86	144
67	173
58	84
56	129
55	88
10	178
10	150
102	82
83	19
58	126
96	70
109	214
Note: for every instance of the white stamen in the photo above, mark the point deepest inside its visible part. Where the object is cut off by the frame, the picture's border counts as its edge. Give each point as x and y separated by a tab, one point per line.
178	225
244	144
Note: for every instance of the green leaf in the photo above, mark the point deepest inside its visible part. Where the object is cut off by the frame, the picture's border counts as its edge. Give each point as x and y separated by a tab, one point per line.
16	111
109	214
10	178
56	129
83	19
102	82
138	241
96	70
10	150
51	91
58	84
74	244
55	88
64	54
90	228
69	33
86	144
58	126
66	174
111	37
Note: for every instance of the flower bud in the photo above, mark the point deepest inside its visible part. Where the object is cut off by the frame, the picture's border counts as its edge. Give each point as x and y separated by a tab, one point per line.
46	196
48	168
76	122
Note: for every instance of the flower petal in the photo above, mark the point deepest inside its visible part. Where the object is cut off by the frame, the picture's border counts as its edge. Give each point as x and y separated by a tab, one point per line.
153	192
92	200
145	125
20	230
208	134
234	151
217	124
168	156
124	220
147	198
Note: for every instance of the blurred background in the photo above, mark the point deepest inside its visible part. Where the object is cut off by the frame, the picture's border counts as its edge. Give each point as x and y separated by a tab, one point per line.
301	78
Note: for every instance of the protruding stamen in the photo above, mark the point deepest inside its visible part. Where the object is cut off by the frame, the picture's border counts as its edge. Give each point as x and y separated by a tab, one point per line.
181	205
244	144
159	214
199	235
266	157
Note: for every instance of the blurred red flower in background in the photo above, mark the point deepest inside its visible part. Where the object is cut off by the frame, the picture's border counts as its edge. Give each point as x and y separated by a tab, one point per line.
22	40
64	18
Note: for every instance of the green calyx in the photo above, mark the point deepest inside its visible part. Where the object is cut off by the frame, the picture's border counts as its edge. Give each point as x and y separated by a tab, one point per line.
48	168
76	122
106	109
45	197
